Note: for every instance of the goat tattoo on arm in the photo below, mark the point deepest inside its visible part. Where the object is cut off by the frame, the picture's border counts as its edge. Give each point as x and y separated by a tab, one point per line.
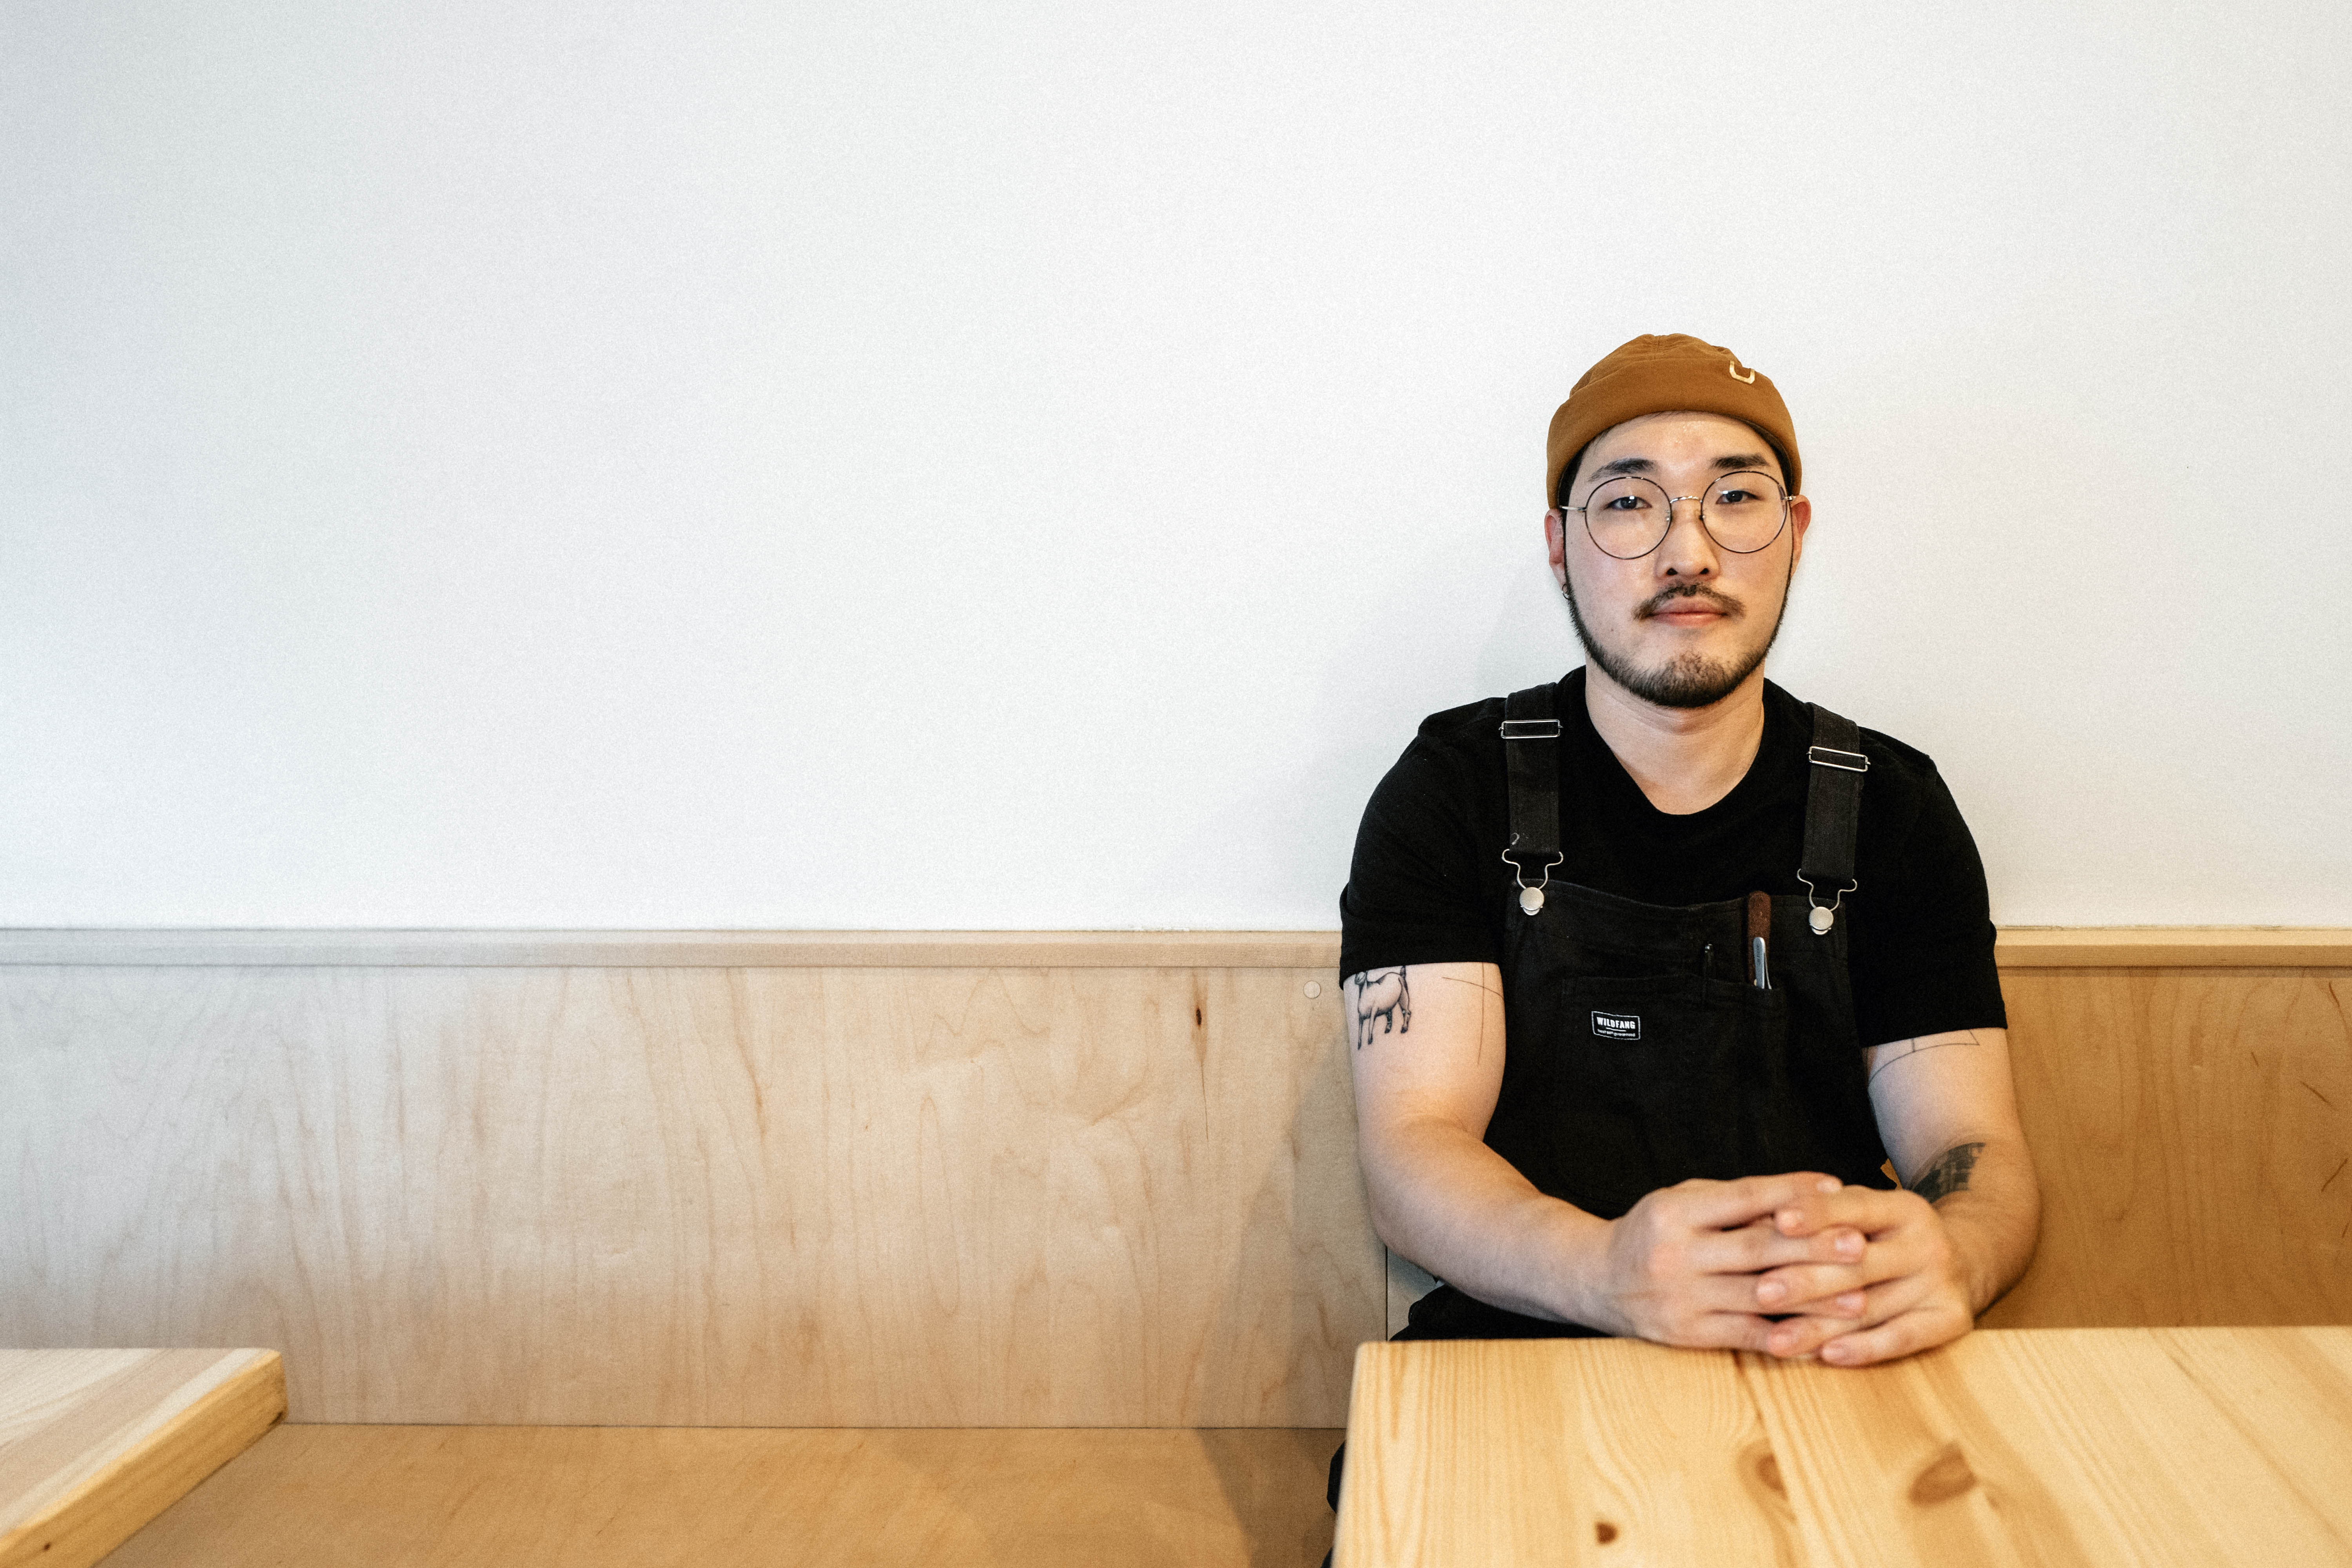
1378	997
1947	1173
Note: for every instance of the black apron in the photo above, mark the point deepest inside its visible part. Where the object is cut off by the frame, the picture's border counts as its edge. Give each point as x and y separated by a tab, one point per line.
1639	1050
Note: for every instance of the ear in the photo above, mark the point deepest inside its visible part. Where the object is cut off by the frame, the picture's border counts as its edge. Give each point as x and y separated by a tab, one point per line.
1556	545
1800	518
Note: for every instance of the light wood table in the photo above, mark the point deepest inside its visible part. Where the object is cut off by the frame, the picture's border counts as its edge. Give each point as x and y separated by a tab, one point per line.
2057	1446
93	1444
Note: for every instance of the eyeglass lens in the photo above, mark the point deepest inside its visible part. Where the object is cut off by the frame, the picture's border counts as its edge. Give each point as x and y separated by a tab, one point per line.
1628	516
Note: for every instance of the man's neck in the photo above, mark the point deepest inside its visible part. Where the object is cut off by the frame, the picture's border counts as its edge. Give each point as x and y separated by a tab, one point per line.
1685	759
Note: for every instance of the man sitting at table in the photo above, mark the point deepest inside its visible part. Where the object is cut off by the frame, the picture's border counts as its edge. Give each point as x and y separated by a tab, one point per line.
1650	970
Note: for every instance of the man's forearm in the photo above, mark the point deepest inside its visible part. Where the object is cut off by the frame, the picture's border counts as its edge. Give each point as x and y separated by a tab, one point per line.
1985	1192
1460	1210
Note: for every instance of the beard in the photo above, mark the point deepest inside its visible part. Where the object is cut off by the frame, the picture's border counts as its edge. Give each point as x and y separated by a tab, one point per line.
1687	679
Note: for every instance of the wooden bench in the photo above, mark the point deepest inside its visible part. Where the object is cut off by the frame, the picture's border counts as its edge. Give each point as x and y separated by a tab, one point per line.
1099	1183
494	1496
94	1443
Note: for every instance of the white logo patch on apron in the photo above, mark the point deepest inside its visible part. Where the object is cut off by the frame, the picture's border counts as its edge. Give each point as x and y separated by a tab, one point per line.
1617	1025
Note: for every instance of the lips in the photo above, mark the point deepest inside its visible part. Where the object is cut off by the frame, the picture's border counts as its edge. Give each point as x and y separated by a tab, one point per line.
1688	607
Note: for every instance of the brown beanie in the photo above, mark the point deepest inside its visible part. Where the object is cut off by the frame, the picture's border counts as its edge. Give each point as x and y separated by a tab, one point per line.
1660	375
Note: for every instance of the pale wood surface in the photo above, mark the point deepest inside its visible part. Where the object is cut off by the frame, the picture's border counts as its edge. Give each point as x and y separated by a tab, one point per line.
1563	1451
959	1196
2048	1446
95	1442
2173	947
682	1196
377	1497
2019	947
2193	1133
2083	1445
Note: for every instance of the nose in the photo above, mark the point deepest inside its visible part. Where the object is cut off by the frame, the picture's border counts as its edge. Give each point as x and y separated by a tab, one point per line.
1687	549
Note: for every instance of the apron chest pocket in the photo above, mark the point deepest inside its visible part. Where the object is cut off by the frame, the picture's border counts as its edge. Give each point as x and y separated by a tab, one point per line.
1682	1067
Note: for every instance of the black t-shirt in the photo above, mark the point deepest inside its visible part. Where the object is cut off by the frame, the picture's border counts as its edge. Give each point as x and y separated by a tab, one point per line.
1428	884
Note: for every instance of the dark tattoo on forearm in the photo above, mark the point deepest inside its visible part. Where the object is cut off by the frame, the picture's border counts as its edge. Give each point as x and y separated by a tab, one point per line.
1879	1058
1947	1173
1378	997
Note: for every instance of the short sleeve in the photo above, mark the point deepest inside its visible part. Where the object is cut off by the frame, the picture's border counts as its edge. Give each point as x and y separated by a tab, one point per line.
1922	958
1413	893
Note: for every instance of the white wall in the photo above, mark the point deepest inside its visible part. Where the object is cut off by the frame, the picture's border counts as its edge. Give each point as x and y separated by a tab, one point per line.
713	464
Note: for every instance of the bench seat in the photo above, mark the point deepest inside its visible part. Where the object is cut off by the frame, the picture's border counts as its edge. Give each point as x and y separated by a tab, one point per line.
584	1497
95	1442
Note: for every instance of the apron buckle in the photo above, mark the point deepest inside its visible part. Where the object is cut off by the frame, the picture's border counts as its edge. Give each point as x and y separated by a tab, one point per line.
1531	900
1817	918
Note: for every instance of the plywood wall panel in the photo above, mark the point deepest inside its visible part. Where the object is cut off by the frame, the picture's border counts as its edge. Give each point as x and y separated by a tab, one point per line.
771	1197
941	1194
2193	1129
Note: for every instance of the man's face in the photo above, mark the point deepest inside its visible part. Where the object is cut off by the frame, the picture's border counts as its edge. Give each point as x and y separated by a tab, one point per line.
1685	625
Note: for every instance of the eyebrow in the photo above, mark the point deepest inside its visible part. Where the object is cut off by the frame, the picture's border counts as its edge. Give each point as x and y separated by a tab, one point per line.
1735	463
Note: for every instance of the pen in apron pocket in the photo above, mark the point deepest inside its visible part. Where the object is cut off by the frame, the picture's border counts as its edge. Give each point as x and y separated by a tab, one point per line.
1759	922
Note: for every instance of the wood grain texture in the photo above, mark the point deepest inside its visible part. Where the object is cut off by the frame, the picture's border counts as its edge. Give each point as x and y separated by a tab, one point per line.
93	1444
2288	1395
1562	1451
2067	1448
685	1196
2019	947
2173	947
378	1497
962	1196
2193	1133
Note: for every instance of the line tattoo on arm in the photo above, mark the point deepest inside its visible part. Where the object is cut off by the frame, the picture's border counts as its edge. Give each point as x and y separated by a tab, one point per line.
1378	999
1879	1058
1947	1173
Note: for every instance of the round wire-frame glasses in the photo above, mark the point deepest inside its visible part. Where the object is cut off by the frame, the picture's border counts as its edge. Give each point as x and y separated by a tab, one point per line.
1743	512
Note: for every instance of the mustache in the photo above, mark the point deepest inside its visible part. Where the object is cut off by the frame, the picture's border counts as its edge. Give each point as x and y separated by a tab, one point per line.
1656	603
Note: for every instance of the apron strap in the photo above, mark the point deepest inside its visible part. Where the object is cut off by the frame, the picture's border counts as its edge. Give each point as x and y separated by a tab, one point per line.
1832	807
1529	717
